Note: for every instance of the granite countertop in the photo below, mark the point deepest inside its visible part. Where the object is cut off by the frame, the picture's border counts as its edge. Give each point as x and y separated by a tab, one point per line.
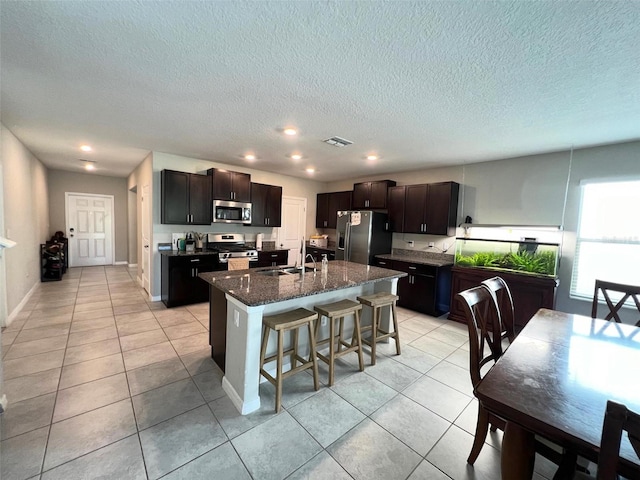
423	258
176	253
253	289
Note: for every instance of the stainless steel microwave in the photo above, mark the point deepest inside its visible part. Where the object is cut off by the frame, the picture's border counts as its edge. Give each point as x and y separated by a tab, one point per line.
231	212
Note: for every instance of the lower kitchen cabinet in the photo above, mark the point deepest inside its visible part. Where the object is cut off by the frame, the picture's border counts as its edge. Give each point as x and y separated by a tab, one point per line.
426	288
317	252
529	292
180	282
272	258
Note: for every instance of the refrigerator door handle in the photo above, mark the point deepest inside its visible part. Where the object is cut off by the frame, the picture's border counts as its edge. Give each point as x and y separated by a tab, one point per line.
347	242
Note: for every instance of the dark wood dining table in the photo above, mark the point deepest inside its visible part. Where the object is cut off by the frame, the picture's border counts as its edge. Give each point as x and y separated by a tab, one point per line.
554	381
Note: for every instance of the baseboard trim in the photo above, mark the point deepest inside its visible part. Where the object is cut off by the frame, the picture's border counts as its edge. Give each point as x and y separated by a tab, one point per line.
122	262
157	298
131	265
12	316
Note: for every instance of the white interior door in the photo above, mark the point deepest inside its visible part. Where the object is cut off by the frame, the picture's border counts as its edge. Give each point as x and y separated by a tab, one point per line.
146	237
294	220
89	229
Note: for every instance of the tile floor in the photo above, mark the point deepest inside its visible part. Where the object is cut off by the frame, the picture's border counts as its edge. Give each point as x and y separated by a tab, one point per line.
102	383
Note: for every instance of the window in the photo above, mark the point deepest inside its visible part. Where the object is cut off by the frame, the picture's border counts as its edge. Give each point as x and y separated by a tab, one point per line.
608	239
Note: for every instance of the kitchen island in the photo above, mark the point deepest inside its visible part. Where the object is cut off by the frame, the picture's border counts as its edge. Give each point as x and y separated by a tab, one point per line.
239	299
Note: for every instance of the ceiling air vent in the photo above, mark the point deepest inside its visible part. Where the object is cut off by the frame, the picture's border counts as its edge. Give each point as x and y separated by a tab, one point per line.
337	142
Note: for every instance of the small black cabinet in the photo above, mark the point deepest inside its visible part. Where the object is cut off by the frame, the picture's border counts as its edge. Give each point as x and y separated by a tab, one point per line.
186	198
371	194
426	288
317	252
180	282
328	205
266	205
228	185
272	258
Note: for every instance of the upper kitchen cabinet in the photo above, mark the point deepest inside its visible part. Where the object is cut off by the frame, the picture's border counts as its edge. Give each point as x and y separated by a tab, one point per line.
371	194
395	208
328	205
228	185
431	208
266	205
186	198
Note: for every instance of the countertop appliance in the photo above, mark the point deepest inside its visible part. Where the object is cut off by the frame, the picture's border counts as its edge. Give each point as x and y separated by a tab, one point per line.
231	245
361	235
318	241
231	212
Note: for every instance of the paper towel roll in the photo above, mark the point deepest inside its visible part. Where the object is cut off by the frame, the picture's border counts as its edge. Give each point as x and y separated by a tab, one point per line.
259	241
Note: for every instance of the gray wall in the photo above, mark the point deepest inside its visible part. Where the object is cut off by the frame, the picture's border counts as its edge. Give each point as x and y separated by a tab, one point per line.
61	181
525	190
24	189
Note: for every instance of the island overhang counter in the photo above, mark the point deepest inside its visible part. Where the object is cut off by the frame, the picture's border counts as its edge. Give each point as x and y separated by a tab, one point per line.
239	299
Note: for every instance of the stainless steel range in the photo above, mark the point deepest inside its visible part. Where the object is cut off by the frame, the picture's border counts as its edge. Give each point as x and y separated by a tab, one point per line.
231	245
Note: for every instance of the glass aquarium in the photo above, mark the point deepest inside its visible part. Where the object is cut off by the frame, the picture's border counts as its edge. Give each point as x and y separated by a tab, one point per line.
526	255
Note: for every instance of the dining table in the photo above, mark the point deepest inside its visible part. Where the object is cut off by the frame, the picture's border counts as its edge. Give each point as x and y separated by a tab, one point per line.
554	381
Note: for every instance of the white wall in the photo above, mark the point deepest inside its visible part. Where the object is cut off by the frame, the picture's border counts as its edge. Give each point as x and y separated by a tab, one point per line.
293	187
26	218
141	176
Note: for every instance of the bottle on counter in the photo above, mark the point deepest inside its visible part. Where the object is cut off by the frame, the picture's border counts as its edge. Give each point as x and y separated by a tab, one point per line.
325	264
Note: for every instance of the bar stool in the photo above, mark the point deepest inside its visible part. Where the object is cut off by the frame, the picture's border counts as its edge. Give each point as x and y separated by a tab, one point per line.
338	311
377	301
283	322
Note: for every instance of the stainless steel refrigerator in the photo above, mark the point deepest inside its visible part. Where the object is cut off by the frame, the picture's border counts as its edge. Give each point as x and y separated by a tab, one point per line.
361	235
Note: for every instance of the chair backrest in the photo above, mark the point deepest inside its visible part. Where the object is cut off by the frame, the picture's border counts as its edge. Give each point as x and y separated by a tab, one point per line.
617	419
627	291
504	301
483	321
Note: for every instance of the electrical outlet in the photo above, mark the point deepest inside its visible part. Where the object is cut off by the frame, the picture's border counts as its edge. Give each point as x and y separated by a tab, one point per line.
410	243
432	244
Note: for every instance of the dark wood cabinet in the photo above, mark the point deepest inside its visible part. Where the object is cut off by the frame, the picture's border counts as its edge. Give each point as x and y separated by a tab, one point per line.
426	288
180	284
425	208
317	252
328	205
395	208
186	198
371	194
228	185
415	220
272	258
529	292
442	208
266	208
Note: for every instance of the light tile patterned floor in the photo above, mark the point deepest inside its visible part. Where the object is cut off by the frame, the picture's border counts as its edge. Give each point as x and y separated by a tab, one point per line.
102	382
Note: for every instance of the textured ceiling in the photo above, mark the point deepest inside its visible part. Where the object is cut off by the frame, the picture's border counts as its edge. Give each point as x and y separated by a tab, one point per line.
422	84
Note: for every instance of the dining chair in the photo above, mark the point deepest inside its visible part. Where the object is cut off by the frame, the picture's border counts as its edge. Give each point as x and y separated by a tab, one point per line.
485	347
486	332
504	302
627	291
618	419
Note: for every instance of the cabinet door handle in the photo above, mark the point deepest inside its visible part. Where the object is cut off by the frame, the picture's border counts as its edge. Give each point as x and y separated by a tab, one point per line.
412	268
382	263
194	260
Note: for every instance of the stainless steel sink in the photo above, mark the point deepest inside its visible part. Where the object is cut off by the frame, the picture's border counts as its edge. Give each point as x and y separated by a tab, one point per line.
284	271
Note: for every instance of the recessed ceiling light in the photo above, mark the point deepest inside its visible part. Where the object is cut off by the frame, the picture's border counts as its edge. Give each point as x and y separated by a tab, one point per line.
296	156
310	170
290	131
88	164
372	157
86	148
250	157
